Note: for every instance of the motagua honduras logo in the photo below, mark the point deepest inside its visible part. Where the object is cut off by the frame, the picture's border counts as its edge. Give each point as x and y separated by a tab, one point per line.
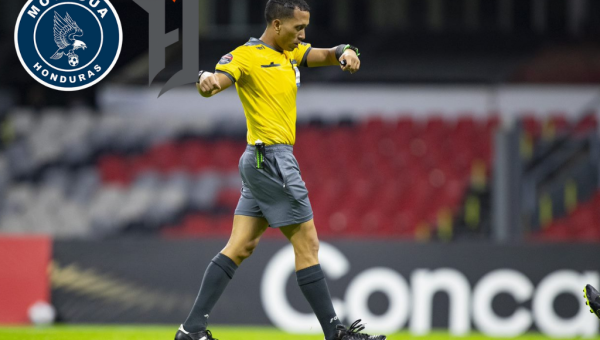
68	45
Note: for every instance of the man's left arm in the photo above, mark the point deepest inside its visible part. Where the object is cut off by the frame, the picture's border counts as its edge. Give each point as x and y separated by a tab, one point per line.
318	57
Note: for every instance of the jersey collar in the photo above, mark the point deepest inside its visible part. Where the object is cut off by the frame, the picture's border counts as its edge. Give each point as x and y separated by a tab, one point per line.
254	41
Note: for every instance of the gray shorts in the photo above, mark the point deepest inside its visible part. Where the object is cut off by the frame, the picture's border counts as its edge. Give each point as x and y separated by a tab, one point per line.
275	192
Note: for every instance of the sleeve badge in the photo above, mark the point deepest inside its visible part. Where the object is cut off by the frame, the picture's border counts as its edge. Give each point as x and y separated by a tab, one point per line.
226	59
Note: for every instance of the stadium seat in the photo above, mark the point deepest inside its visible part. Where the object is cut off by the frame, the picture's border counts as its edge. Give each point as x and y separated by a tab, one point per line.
587	124
531	125
22	122
84	185
378	177
114	170
103	207
136	205
205	188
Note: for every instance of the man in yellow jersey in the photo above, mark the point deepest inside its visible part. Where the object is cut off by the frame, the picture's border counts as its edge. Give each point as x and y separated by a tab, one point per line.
266	74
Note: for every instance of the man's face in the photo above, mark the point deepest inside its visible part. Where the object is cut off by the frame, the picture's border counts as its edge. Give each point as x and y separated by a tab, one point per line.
293	30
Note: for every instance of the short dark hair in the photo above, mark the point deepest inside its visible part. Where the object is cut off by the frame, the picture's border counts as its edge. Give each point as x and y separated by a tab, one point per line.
283	9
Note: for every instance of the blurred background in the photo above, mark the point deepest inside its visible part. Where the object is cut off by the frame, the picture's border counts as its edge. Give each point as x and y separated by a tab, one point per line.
468	141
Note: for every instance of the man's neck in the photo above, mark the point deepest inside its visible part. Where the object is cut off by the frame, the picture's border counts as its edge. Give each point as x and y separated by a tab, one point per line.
269	39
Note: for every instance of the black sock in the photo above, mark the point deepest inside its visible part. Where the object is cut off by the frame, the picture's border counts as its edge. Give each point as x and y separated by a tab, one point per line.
314	287
218	274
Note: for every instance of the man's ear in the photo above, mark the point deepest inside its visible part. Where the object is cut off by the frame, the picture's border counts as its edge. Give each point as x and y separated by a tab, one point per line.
276	24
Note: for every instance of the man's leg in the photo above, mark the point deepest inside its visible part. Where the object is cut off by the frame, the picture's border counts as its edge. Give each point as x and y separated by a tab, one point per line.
244	238
310	276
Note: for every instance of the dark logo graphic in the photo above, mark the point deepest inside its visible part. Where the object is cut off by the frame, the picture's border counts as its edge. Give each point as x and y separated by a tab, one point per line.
226	59
159	40
68	45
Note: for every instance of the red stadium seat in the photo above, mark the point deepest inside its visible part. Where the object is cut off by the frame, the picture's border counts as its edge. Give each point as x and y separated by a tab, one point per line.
374	124
492	123
114	170
531	125
195	156
559	121
583	224
226	155
405	126
403	223
556	232
587	124
140	164
436	126
164	157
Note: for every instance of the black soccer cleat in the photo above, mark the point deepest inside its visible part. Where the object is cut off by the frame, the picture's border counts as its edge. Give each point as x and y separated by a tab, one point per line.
592	299
352	333
202	335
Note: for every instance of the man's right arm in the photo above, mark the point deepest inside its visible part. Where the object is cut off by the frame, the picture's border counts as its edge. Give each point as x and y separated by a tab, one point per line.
212	83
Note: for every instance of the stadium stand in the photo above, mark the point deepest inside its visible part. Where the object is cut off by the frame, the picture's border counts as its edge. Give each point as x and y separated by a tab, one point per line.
81	174
582	224
564	216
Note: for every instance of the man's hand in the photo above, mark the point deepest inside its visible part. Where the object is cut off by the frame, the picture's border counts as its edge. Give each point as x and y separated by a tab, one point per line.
209	84
352	61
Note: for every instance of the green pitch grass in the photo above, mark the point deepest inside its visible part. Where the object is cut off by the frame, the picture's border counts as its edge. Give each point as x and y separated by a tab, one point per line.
167	333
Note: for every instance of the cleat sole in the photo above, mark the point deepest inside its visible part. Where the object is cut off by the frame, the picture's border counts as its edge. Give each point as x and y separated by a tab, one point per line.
587	302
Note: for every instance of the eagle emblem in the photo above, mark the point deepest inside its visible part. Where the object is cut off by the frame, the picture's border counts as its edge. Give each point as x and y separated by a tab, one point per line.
66	33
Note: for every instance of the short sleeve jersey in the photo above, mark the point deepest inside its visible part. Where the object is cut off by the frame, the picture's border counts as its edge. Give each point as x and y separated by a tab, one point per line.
267	82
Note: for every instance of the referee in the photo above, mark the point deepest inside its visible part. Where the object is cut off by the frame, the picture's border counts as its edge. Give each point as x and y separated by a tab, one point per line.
266	74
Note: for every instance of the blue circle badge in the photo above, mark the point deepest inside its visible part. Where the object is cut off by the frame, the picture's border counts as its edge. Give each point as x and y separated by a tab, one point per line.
67	45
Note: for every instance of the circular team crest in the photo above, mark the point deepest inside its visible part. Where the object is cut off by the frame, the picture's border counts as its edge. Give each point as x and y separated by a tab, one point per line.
68	45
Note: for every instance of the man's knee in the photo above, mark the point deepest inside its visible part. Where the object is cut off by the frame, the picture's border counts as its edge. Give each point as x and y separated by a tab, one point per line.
247	249
242	251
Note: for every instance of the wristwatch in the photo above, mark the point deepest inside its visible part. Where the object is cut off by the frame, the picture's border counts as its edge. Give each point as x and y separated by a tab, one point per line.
353	48
200	75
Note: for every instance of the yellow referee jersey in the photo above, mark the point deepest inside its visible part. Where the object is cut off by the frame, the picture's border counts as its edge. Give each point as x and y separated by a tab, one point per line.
267	82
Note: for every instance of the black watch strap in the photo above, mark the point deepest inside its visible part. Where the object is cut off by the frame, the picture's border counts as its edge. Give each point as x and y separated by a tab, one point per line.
342	48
